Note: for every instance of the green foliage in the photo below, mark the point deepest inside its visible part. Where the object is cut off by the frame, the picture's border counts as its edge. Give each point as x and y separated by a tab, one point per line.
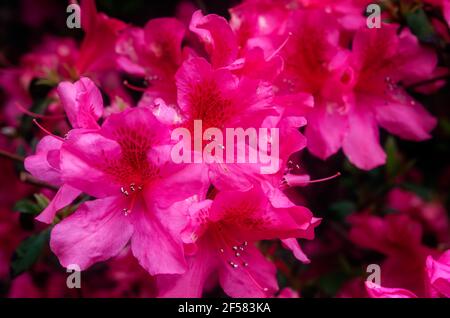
343	208
29	207
28	252
421	26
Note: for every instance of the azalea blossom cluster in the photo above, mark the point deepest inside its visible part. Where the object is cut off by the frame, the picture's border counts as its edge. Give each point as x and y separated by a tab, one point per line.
311	71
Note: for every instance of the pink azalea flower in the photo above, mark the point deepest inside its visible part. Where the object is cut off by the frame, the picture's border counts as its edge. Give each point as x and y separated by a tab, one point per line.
438	271
219	39
50	60
221	100
356	93
350	13
313	57
126	165
45	165
58	59
101	32
432	215
400	239
83	104
378	99
437	281
154	53
221	237
256	21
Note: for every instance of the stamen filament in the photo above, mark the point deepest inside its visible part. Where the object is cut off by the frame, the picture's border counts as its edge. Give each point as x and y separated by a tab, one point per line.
35	115
134	87
46	131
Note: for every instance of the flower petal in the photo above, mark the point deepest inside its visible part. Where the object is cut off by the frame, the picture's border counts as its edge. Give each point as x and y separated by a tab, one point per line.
65	195
257	280
97	231
362	145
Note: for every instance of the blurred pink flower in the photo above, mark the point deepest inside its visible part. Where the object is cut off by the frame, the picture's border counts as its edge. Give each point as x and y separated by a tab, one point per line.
221	237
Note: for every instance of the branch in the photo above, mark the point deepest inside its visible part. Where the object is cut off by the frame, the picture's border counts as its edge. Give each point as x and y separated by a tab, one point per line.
12	156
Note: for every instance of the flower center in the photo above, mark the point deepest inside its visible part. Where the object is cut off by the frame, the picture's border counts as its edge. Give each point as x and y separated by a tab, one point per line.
208	105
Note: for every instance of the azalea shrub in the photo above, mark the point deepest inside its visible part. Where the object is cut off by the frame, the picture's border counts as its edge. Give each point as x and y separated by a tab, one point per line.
255	148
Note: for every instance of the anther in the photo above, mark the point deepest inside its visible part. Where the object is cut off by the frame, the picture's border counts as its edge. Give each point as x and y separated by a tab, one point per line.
232	264
302	180
125	192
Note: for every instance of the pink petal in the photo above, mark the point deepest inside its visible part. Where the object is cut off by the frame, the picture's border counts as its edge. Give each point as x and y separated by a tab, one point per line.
65	195
154	245
293	245
257	280
83	157
178	183
190	284
439	273
38	164
325	131
446	11
219	39
82	102
129	47
361	145
97	231
101	33
408	120
376	291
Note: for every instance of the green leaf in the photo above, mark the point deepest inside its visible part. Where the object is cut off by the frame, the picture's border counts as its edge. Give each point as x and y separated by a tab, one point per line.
393	161
421	26
343	208
28	252
444	125
421	191
331	283
42	200
28	207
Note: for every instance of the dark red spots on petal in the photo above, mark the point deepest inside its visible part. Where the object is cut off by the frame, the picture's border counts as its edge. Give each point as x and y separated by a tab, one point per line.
132	169
208	104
